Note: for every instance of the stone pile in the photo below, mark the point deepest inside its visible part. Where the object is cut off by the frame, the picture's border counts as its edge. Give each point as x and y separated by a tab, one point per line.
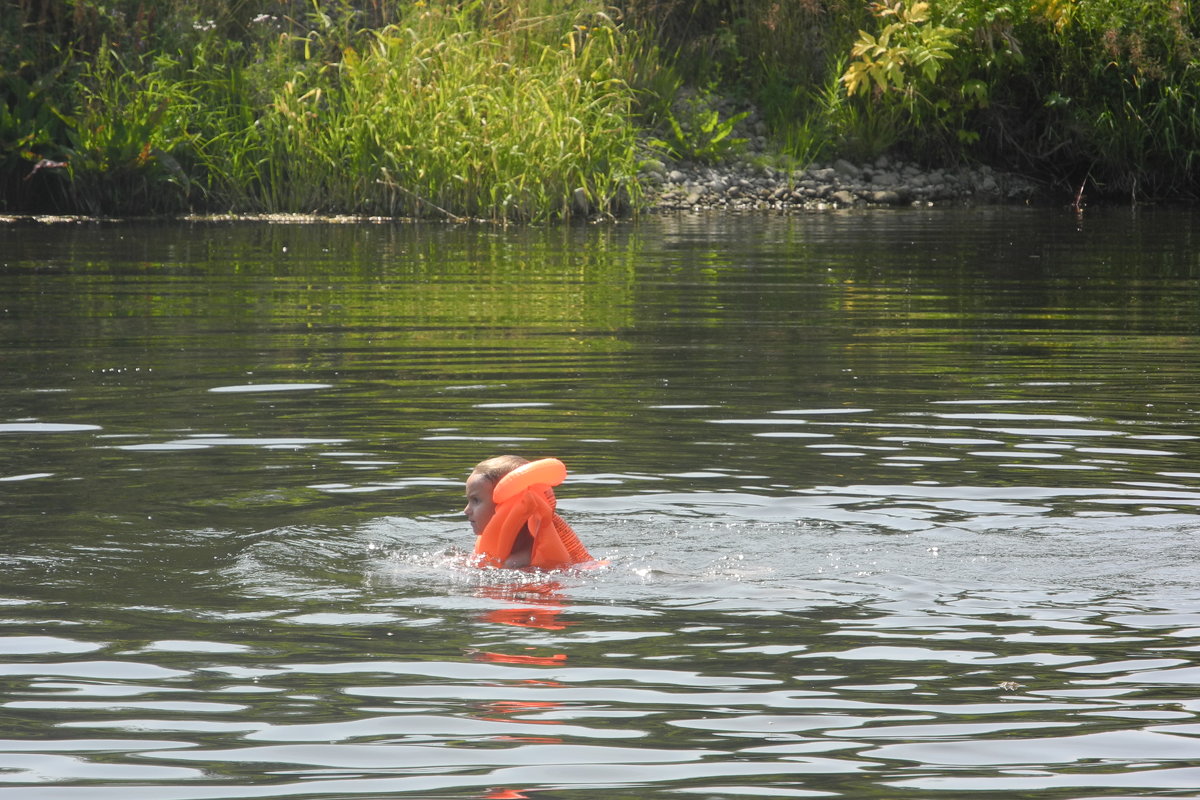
751	187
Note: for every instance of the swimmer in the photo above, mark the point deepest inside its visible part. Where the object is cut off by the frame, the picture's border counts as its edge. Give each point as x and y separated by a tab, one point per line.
517	527
480	508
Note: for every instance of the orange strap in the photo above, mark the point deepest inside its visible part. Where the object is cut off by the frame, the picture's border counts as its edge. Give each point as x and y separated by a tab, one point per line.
530	506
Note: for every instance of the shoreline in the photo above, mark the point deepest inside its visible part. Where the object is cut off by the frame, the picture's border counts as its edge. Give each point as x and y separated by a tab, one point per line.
733	187
744	187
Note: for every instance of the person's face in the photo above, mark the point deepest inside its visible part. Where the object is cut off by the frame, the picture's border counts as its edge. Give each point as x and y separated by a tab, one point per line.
480	507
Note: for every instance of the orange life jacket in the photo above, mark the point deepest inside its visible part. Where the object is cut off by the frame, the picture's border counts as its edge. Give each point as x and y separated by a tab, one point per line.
524	500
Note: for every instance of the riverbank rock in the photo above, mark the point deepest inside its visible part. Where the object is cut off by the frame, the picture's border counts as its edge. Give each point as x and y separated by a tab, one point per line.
748	182
750	186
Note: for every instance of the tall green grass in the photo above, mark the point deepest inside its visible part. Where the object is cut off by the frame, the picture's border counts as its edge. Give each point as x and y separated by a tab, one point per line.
458	111
127	139
437	116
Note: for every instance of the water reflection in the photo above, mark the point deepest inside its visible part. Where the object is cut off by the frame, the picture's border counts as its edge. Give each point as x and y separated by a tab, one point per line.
892	502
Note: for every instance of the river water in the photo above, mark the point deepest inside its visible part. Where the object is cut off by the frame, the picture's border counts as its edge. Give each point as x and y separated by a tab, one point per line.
894	504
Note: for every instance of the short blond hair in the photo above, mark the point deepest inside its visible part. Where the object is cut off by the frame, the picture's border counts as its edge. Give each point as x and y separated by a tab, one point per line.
497	467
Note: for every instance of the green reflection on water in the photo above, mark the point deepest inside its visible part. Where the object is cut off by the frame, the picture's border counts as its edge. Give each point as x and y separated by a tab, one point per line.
332	275
440	345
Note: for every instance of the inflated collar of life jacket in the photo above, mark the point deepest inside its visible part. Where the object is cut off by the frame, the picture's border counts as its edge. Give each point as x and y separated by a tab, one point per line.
524	499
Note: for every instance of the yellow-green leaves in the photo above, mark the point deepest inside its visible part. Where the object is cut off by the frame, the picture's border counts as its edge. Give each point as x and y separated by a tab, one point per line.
906	52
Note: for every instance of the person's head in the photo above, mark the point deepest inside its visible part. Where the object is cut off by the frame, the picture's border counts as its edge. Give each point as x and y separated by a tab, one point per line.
482	480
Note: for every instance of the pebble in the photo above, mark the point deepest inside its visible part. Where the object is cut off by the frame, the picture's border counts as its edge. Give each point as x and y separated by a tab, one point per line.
744	186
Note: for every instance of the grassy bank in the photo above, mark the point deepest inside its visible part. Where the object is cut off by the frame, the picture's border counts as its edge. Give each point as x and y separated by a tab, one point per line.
458	111
541	109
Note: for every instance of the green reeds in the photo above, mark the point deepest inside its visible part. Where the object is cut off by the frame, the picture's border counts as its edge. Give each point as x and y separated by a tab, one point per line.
128	136
440	119
440	116
456	111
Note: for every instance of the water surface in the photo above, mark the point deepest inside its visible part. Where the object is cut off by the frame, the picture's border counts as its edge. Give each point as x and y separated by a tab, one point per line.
895	503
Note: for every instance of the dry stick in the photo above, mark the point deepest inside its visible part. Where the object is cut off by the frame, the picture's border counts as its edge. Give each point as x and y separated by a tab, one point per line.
1078	204
391	184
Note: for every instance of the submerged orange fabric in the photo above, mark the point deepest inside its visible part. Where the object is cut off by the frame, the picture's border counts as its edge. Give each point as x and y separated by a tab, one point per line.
555	544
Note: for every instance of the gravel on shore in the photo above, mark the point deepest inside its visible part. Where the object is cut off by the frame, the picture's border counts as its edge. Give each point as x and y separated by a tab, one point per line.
885	182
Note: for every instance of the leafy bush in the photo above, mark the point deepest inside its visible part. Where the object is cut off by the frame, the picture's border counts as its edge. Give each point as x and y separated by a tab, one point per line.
532	109
696	131
1104	92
